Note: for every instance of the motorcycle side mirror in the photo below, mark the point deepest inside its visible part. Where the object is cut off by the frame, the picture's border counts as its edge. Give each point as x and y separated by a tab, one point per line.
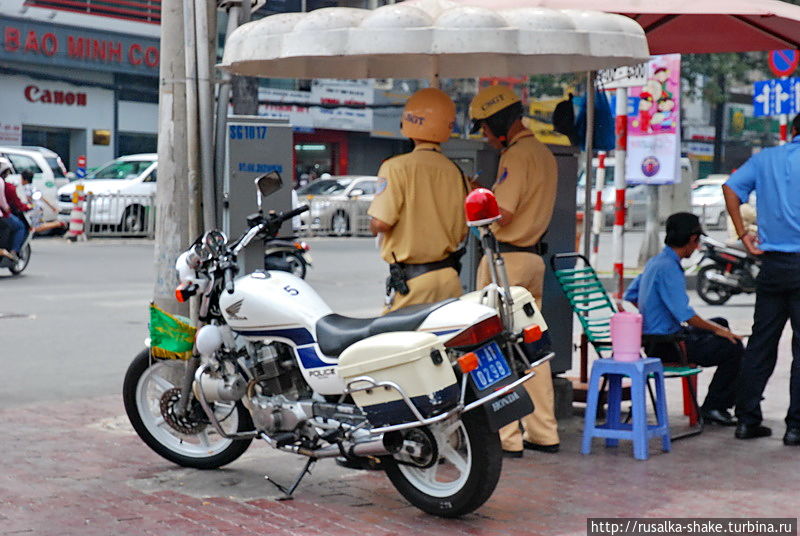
269	183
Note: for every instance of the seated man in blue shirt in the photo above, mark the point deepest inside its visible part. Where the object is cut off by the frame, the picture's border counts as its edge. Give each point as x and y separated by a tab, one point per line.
660	294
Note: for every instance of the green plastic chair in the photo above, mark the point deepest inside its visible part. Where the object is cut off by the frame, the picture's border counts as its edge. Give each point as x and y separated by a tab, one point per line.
591	304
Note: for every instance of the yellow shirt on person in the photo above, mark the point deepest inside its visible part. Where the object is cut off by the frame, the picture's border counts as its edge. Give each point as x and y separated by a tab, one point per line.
421	195
526	184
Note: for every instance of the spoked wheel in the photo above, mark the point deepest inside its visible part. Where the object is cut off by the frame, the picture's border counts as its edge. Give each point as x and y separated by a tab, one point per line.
448	469
151	392
22	262
712	292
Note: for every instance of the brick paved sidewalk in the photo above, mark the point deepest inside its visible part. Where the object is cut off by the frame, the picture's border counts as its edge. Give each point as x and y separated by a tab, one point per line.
78	469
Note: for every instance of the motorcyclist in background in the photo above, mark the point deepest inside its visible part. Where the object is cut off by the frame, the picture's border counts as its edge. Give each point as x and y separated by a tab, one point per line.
36	204
11	212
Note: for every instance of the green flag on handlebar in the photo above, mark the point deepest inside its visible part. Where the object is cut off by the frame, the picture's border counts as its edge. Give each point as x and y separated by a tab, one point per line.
171	336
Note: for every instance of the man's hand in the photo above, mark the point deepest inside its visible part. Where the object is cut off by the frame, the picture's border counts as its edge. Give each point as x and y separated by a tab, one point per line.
725	333
751	244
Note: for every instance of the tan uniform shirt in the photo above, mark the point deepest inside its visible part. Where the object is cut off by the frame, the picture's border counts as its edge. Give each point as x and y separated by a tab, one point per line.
526	185
423	200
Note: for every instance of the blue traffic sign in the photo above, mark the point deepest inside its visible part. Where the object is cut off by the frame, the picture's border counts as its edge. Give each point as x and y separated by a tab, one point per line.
783	62
776	97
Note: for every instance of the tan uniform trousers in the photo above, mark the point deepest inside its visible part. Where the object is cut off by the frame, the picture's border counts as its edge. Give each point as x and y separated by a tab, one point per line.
540	427
430	287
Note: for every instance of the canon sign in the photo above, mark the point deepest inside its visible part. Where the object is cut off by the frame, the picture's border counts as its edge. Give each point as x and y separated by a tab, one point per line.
68	98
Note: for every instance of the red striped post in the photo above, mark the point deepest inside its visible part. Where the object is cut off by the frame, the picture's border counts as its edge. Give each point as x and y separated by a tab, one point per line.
618	246
597	218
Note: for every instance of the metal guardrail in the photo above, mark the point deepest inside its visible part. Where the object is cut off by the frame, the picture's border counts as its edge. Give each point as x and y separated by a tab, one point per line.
335	218
120	215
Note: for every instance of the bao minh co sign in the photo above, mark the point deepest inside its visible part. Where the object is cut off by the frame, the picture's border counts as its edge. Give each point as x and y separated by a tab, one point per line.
30	41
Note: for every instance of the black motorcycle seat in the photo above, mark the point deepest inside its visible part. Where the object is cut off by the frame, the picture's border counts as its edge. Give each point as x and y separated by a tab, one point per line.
337	332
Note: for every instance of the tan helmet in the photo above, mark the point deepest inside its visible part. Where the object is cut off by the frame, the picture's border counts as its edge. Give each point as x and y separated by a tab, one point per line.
498	106
429	115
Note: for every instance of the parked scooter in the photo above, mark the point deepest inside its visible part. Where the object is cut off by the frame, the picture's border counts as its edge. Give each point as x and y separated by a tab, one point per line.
424	389
288	256
724	271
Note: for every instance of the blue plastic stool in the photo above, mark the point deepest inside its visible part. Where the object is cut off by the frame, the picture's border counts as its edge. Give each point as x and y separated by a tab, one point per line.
614	429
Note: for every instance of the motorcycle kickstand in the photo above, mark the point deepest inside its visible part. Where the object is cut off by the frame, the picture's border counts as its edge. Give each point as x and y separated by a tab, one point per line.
287	493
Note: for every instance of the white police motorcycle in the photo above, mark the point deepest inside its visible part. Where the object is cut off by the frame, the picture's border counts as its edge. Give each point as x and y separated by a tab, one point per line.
424	389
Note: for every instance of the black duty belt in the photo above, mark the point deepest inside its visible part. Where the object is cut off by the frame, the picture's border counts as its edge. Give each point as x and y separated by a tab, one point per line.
416	270
401	272
539	248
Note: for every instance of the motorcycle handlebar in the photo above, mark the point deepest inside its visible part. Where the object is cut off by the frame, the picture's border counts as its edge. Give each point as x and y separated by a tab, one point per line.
296	212
227	275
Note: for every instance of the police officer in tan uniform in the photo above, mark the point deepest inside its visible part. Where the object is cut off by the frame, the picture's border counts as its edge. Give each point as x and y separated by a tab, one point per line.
526	193
419	208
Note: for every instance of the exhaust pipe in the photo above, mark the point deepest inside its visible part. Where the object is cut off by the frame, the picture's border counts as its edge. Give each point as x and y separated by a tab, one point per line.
723	280
386	444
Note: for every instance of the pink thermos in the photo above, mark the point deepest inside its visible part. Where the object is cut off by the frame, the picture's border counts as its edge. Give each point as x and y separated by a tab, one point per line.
626	336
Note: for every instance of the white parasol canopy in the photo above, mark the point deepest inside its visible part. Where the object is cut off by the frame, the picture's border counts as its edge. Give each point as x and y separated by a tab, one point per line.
433	38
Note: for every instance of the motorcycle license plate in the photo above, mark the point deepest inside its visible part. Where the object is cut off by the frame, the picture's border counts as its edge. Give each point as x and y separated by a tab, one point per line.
492	366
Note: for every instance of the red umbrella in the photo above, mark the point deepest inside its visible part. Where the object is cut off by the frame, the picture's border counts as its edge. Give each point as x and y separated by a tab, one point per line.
690	26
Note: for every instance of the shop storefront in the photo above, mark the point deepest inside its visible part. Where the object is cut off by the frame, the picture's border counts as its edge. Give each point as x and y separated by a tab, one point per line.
335	126
77	91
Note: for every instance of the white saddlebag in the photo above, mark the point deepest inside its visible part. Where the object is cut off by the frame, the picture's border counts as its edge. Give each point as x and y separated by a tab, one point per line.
526	311
415	361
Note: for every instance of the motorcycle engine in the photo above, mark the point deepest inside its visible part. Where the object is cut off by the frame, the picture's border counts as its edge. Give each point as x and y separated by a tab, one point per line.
275	388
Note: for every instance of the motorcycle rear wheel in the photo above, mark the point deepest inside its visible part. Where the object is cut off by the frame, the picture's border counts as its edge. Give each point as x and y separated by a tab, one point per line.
144	390
464	475
710	292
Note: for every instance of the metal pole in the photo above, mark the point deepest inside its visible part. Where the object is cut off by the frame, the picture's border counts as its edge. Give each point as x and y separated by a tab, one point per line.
597	216
620	151
204	10
783	122
172	233
650	241
587	199
223	100
192	122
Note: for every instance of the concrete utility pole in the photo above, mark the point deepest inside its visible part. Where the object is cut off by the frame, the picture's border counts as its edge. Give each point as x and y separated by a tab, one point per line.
172	230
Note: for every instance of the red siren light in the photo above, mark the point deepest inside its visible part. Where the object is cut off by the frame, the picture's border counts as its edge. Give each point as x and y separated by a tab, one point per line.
481	207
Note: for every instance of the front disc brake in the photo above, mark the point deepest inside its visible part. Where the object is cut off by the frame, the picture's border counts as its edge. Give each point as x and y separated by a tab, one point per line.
186	424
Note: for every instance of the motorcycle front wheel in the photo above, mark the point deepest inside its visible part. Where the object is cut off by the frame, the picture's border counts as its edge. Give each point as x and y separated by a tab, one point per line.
151	391
462	474
709	291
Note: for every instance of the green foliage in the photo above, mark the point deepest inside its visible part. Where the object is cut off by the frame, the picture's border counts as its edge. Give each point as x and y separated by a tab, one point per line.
711	75
553	85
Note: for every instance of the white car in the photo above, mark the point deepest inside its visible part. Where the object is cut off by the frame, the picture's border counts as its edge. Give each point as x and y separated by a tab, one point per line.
339	204
123	191
49	173
635	194
708	203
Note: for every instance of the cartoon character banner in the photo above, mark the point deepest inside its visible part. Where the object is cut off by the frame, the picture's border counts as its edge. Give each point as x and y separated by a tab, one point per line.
654	124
